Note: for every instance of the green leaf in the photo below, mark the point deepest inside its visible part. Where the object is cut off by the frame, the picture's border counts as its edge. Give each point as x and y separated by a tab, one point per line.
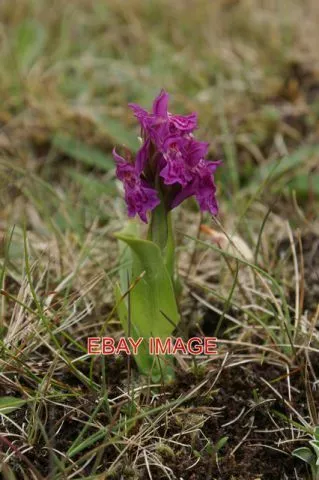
29	43
132	229
144	361
315	446
221	443
154	292
305	185
277	168
85	154
118	132
161	233
305	454
7	472
9	404
92	186
153	309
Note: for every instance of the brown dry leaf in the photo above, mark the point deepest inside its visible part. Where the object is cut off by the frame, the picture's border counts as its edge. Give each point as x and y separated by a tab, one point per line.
234	244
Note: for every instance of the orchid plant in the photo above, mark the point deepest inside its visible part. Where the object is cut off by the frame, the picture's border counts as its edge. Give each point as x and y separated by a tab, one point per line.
310	454
170	166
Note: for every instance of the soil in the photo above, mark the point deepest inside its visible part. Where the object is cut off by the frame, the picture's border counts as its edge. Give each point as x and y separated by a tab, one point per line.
239	393
235	391
239	407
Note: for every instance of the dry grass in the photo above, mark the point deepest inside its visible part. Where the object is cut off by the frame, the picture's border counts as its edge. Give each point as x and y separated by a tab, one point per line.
68	70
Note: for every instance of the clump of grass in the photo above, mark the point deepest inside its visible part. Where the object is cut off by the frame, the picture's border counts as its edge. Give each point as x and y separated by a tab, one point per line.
68	71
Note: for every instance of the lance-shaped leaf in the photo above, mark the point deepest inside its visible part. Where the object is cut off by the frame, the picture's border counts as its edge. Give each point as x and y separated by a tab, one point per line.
152	308
9	404
305	454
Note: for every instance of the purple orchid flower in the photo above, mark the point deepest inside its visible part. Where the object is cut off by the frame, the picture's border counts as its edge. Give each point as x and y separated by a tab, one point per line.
139	196
160	123
170	165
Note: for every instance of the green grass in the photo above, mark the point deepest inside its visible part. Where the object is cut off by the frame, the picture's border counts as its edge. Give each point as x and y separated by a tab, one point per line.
68	70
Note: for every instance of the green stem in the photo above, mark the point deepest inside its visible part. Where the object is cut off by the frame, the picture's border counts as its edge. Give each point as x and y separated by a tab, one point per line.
161	233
